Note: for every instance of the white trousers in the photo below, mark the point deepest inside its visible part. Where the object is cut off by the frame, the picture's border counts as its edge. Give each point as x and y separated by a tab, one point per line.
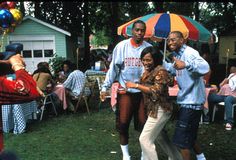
154	129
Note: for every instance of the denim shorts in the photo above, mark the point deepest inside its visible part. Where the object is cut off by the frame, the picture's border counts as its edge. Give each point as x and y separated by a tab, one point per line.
186	128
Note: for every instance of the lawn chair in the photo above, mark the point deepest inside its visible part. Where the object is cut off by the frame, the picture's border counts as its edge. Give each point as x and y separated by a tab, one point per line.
216	108
83	96
100	80
48	99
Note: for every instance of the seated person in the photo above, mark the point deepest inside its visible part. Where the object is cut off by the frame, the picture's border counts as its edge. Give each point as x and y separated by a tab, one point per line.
43	77
101	60
66	70
74	85
227	94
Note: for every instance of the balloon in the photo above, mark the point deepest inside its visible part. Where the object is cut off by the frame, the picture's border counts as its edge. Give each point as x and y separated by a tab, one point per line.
6	18
7	5
11	5
17	16
8	30
3	5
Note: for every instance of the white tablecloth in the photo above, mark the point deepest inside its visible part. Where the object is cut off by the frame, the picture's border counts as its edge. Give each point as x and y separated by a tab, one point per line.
90	72
15	116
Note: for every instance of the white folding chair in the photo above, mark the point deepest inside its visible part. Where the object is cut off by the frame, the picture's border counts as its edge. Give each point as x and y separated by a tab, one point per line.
100	81
48	99
216	108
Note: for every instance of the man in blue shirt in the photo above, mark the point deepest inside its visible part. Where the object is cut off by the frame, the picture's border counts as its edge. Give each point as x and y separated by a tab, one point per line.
189	68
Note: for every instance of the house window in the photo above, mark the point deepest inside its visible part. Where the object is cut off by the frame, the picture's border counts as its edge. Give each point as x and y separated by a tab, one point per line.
48	53
27	54
38	53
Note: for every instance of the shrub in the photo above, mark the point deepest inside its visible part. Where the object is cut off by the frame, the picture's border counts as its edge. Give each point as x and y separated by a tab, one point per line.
56	64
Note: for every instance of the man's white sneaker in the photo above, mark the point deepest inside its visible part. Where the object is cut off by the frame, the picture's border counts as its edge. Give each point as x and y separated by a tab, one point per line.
228	127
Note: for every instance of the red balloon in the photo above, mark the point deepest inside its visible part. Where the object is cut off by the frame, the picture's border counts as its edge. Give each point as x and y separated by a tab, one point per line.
11	5
7	5
3	5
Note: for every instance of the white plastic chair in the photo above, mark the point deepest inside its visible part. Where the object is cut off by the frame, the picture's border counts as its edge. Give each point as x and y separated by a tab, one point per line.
216	108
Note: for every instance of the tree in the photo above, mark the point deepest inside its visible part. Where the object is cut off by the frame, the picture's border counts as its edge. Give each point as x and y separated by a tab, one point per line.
100	39
86	37
219	15
22	8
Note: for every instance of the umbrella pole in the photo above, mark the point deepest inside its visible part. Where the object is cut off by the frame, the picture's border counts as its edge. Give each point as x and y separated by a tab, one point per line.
164	54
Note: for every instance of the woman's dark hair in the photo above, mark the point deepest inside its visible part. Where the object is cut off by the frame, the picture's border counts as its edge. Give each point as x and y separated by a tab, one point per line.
42	67
155	53
68	63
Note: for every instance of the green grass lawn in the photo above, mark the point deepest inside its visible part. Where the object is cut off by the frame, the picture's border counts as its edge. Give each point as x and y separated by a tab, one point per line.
82	137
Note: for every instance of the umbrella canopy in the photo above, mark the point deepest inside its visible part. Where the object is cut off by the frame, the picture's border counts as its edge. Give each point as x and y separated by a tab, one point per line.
159	25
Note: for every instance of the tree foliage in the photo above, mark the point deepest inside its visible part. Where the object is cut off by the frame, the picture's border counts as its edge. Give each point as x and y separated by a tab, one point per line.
107	16
103	18
219	15
100	39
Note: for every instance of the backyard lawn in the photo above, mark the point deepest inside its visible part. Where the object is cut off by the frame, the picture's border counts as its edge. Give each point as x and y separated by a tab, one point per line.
82	137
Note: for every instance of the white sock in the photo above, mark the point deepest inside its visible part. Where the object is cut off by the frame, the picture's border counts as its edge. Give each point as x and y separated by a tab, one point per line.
201	157
142	155
125	150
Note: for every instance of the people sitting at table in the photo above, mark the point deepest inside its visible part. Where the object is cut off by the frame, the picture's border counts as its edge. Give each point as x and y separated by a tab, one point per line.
226	94
65	72
71	88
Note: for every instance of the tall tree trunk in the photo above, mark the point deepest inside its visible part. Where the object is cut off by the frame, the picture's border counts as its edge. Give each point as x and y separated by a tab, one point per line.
22	8
196	10
115	21
55	13
37	12
86	37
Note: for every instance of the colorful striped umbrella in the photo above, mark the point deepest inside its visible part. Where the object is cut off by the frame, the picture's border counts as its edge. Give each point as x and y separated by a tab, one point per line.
159	25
